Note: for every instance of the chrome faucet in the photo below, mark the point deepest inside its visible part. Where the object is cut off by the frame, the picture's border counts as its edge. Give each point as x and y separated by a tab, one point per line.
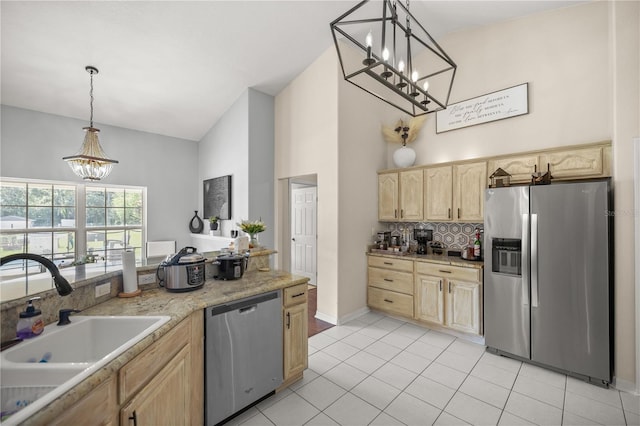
62	285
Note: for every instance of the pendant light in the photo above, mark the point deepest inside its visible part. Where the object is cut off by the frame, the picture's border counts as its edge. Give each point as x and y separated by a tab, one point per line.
385	51
91	163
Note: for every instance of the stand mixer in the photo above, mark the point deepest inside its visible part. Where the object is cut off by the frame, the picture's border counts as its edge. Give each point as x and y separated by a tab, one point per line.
422	236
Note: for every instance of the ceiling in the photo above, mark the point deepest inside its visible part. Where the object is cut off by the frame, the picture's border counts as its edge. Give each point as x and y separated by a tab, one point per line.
174	67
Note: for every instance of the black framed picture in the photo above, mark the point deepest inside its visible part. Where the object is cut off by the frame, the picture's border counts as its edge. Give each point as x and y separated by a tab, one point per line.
217	197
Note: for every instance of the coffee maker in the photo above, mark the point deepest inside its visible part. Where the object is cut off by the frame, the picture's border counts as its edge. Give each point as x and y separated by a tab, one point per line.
422	236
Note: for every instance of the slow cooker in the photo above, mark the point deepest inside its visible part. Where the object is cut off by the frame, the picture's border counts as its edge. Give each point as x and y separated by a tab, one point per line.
231	266
183	271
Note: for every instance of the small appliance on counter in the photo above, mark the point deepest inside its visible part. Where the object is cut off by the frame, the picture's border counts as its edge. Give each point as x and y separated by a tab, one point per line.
182	271
231	266
422	236
435	247
383	240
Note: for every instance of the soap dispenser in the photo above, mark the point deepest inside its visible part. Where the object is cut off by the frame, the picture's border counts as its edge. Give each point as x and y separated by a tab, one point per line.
30	323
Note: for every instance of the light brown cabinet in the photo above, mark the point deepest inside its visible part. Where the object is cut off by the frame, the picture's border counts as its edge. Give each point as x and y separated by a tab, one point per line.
575	163
295	329
449	296
390	285
99	407
455	193
519	167
400	196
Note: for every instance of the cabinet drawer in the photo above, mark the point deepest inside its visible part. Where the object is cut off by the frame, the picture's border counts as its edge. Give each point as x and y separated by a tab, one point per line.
135	374
389	263
447	271
390	301
391	280
294	295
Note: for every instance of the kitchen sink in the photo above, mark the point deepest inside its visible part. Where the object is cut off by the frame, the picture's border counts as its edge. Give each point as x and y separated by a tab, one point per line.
39	370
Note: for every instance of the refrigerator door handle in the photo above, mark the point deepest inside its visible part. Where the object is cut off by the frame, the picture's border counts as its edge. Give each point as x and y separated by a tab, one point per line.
534	260
525	259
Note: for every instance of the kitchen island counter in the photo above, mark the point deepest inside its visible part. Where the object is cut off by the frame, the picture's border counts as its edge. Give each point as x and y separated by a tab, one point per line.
178	306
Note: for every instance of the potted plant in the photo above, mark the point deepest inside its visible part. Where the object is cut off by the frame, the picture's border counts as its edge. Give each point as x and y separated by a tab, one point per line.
213	223
253	229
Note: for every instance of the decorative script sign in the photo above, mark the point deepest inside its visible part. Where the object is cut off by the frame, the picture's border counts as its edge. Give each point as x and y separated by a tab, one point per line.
494	106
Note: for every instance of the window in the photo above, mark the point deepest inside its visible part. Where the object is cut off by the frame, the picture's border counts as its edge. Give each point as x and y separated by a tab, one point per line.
67	223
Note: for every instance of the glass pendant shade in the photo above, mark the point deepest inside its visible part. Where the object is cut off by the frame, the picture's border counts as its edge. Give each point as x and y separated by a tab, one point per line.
91	163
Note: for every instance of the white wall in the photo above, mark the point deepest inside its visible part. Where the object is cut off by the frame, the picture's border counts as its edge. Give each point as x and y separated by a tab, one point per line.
33	144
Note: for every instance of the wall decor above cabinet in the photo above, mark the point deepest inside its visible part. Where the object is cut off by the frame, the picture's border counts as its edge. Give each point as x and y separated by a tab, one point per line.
499	105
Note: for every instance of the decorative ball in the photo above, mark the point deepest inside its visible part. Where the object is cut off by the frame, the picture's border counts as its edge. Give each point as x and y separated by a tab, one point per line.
404	157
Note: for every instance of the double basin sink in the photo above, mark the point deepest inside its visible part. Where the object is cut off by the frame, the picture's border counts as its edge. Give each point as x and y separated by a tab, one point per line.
39	370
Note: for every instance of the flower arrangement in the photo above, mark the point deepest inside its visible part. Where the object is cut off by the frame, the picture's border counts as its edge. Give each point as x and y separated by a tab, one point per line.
404	132
252	228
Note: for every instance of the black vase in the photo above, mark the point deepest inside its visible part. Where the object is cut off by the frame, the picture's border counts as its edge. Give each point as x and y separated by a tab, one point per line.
196	227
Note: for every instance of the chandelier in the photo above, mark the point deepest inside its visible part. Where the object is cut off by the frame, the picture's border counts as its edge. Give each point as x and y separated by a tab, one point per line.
91	163
385	51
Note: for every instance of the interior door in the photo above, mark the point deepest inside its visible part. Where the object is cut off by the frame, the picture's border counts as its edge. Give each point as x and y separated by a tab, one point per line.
303	232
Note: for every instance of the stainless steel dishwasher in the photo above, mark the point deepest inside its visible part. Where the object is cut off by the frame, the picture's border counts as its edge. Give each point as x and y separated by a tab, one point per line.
243	354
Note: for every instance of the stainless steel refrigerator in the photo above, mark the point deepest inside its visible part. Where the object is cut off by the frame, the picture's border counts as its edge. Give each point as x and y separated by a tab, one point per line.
547	295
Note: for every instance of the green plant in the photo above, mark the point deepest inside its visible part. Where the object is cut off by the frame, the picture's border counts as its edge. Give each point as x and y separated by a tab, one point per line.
213	219
252	228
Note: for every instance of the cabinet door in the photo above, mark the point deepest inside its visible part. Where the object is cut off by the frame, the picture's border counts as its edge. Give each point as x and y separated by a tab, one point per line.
469	183
295	340
463	306
574	163
411	195
388	196
100	407
438	191
520	168
165	400
429	303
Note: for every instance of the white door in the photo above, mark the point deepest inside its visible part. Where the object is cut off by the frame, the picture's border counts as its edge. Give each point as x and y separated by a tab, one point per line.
303	232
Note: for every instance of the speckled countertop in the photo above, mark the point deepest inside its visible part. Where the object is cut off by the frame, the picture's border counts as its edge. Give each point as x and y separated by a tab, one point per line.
434	258
178	306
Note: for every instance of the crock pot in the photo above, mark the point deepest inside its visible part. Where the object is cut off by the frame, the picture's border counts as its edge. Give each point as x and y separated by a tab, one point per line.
231	266
183	271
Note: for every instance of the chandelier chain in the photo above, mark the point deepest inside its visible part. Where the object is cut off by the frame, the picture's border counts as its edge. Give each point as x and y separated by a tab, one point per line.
91	99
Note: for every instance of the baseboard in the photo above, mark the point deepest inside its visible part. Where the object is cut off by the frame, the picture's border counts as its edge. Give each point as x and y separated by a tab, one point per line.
326	318
353	315
625	386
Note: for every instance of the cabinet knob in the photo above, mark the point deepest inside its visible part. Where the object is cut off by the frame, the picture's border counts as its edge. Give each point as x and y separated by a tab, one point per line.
134	417
440	285
388	301
288	320
388	280
449	213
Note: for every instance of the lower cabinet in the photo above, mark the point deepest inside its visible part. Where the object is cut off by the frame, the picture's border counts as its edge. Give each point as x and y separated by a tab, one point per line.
449	296
99	407
295	329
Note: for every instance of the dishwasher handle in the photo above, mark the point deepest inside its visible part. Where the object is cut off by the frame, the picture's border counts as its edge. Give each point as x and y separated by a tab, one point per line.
242	303
247	309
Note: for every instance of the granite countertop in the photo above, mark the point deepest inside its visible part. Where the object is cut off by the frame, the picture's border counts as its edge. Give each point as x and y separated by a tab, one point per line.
178	306
434	258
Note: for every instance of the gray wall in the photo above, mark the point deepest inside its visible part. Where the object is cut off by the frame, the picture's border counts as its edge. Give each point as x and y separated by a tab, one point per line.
241	144
34	143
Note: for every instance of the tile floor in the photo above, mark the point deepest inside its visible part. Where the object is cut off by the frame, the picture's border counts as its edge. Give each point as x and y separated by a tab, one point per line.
377	370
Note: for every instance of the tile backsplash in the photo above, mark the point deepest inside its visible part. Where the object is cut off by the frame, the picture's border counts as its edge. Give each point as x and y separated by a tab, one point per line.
452	235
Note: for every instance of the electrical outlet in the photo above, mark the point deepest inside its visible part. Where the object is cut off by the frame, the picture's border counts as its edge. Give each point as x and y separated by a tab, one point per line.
103	289
146	278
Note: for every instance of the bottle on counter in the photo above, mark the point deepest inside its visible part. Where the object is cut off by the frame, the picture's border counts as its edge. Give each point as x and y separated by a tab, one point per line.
476	245
30	323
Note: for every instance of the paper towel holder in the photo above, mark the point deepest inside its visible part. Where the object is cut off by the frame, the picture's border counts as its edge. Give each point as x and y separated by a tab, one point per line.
126	272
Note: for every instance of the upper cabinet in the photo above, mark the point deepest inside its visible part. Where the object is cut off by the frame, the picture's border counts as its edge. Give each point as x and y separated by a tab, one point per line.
400	196
455	193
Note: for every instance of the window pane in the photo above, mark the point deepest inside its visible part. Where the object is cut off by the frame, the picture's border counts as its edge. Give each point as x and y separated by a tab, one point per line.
13	194
40	217
95	241
115	217
95	197
13	218
134	242
40	195
95	216
12	243
64	245
133	217
64	217
133	198
115	197
40	243
64	195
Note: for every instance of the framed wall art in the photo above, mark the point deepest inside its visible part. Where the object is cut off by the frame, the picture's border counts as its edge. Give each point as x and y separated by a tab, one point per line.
499	105
217	197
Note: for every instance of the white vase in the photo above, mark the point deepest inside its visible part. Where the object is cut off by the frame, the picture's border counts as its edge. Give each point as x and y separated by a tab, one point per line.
404	157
